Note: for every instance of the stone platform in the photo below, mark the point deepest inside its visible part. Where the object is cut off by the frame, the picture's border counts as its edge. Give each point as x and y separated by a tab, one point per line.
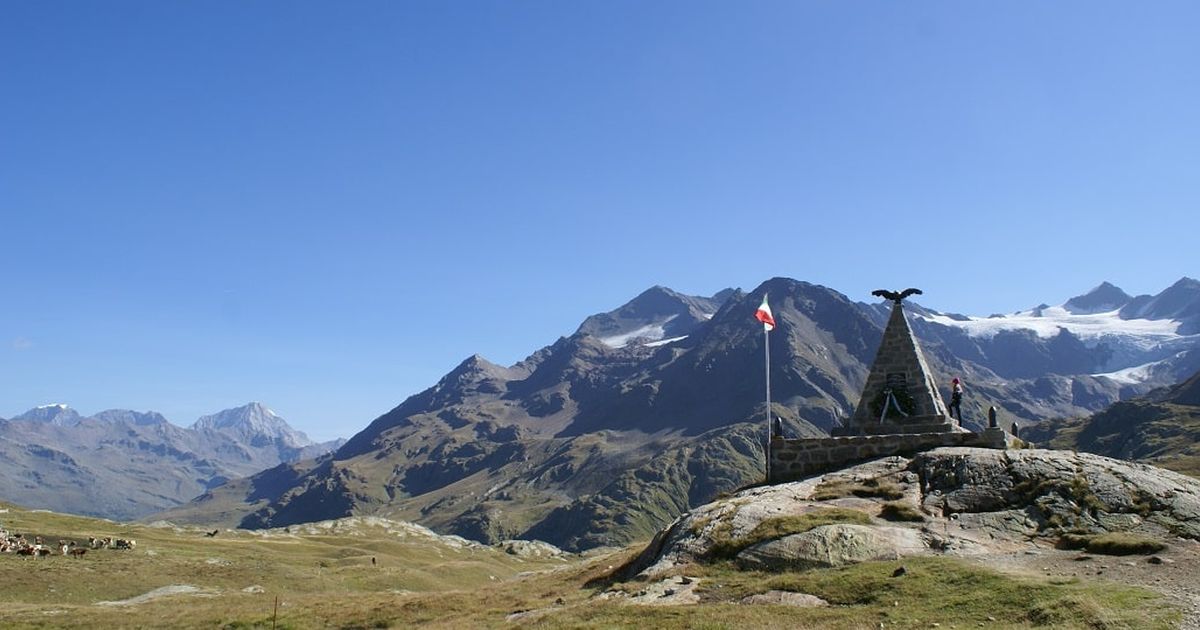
796	459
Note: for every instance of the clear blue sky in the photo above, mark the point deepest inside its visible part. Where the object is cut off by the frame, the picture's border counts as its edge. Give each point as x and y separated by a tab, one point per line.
326	206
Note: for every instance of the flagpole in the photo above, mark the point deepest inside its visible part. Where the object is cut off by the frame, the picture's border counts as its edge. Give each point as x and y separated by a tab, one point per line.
767	352
763	314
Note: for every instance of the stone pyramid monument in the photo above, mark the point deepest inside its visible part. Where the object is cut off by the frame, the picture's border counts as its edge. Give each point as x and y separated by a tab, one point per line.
901	412
900	395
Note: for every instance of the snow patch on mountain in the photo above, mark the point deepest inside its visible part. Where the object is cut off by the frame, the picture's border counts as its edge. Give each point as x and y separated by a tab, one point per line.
1133	375
652	332
663	342
1046	322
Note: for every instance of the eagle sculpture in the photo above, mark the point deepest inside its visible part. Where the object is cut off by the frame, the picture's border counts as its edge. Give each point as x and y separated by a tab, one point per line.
895	297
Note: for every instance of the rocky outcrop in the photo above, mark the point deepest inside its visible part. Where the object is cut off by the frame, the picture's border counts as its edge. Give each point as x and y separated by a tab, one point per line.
962	501
531	549
833	546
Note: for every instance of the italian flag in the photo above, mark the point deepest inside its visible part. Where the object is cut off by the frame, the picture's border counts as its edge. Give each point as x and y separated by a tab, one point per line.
763	314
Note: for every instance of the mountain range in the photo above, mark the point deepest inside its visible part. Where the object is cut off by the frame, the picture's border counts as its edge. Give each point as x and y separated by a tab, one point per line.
1162	427
602	437
124	464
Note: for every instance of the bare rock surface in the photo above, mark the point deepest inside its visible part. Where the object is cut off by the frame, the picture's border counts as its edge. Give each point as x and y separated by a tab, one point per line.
164	591
833	546
785	598
531	549
672	591
967	502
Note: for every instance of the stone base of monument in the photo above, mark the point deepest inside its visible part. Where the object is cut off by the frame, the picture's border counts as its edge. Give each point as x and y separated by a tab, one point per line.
792	460
911	424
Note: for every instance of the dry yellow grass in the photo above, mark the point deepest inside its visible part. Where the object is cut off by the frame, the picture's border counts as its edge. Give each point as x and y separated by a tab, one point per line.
327	580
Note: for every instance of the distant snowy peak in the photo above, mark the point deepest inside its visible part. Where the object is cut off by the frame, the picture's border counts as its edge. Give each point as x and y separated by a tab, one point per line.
253	422
1103	312
1102	299
56	414
656	315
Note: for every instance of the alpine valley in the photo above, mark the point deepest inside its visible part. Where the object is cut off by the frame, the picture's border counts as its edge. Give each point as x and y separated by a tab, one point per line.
603	437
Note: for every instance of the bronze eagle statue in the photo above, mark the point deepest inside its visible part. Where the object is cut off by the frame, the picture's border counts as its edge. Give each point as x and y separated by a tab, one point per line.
896	297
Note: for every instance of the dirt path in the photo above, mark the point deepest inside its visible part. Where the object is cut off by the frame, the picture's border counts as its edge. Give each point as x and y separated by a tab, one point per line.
165	591
1176	574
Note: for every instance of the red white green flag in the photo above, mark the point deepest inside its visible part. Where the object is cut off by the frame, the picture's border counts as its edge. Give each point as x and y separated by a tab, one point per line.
763	314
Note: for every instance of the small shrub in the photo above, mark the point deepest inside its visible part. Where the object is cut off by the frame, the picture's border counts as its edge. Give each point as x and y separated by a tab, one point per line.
1081	492
699	524
1143	503
833	490
1073	541
871	488
1123	544
1112	544
898	511
880	488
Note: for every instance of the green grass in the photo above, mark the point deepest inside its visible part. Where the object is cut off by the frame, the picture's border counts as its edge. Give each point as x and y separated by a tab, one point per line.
1124	543
309	573
1113	543
899	511
952	592
870	488
725	547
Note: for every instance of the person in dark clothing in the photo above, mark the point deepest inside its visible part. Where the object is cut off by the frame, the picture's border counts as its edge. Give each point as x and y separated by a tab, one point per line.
956	391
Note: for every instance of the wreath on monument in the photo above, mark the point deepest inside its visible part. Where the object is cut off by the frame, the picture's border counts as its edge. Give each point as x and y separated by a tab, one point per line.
902	399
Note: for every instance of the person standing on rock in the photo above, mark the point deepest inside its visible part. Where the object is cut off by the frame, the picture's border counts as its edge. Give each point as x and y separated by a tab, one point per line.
956	392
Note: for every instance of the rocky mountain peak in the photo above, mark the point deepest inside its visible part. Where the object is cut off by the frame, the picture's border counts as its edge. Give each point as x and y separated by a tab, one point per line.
137	418
657	313
1102	299
57	414
475	366
1180	302
253	422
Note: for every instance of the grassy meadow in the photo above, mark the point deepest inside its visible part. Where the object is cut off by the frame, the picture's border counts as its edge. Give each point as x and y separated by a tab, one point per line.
325	578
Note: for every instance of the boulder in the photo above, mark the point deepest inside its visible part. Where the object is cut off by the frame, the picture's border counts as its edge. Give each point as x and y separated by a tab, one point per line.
833	546
785	598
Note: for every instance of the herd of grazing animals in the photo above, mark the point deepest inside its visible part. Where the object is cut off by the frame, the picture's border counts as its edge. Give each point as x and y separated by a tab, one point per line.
22	546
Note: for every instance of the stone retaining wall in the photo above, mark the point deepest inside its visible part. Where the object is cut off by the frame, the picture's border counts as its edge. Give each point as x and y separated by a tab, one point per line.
797	459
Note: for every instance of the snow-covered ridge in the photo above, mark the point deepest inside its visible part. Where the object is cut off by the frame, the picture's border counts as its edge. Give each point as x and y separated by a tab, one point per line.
1046	322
